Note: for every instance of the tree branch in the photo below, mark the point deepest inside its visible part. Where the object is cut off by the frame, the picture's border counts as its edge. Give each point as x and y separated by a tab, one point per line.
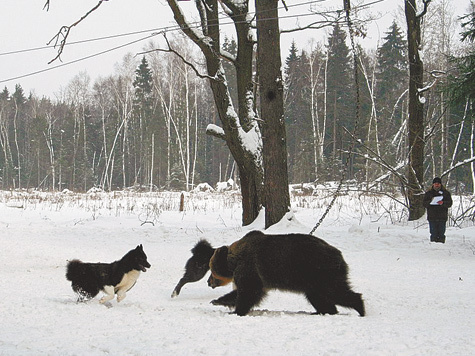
376	158
62	35
180	19
424	10
316	25
216	131
171	50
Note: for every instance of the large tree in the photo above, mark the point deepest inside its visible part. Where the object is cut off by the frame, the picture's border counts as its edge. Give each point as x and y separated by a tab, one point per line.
415	167
240	129
271	89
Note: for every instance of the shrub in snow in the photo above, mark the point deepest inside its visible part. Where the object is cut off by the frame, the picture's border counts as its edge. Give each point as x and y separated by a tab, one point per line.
203	187
225	186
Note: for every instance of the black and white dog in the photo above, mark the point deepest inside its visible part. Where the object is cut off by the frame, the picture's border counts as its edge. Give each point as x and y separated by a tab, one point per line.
88	279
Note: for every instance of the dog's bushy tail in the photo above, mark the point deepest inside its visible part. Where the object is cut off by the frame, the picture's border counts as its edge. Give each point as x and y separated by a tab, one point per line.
203	249
73	270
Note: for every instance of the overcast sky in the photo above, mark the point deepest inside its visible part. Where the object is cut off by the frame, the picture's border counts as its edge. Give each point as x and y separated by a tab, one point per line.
25	25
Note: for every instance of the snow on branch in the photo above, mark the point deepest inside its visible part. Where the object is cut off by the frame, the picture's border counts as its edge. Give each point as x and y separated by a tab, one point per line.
215	131
436	74
458	165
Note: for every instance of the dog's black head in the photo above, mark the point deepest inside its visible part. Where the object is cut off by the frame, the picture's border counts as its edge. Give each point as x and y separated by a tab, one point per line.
140	259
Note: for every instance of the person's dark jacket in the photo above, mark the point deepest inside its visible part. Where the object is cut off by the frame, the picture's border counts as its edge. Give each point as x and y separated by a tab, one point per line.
437	212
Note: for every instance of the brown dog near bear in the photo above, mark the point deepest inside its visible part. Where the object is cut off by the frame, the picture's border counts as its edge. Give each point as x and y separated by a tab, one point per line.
295	262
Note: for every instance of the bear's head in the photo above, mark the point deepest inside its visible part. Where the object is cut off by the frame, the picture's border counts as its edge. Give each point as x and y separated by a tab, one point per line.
220	273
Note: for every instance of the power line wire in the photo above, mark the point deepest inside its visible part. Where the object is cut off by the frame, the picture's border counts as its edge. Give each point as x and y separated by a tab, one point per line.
80	41
195	24
154	33
77	60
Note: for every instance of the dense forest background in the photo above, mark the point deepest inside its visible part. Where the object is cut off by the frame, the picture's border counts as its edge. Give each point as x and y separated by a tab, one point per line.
145	125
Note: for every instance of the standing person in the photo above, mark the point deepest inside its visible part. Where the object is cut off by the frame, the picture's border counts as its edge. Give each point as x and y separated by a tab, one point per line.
437	201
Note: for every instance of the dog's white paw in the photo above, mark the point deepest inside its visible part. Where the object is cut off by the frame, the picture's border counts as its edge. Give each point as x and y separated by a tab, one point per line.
105	299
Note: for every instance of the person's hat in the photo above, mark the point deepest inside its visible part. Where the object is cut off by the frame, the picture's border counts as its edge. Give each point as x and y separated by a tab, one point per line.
437	180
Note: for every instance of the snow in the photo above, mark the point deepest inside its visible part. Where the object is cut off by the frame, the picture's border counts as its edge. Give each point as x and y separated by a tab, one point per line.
215	129
418	295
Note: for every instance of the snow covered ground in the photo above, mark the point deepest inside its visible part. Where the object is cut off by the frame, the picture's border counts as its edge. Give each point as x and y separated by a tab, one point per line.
419	295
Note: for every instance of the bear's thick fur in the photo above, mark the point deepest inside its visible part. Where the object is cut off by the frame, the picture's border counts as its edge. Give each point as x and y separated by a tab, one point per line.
295	262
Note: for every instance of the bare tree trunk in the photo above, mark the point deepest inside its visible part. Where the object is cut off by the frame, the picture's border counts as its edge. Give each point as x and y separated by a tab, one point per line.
415	170
152	161
372	134
106	156
19	163
5	142
195	139
49	143
318	124
472	154
187	163
457	142
276	185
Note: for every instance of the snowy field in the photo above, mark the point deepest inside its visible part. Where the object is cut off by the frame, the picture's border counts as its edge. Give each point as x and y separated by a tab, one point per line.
419	295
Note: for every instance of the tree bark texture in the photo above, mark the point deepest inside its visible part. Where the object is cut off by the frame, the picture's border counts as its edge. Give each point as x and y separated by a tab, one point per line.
415	171
276	186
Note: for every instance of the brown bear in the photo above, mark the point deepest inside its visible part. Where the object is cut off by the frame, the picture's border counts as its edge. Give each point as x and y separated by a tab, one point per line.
294	262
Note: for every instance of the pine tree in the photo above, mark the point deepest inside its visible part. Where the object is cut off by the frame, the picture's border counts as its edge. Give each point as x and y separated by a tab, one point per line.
340	101
143	86
19	95
5	94
462	84
298	117
291	98
461	91
143	102
391	72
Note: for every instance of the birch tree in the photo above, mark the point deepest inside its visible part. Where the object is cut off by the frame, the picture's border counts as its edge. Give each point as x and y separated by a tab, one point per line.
5	110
